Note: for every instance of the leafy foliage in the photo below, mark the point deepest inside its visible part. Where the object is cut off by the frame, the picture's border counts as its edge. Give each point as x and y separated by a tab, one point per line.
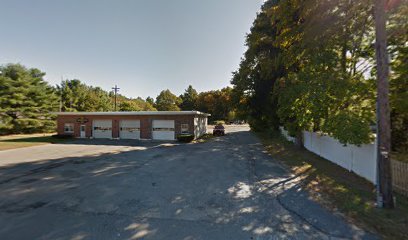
167	101
185	138
26	100
309	66
189	99
398	40
218	103
137	104
77	96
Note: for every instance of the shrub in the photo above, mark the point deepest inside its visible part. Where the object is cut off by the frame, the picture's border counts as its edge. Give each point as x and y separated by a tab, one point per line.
62	136
185	137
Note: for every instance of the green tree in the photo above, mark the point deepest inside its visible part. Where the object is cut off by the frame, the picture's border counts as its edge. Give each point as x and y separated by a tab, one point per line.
306	68
72	93
97	100
218	103
188	99
137	104
397	41
128	106
77	96
261	66
150	100
167	101
26	100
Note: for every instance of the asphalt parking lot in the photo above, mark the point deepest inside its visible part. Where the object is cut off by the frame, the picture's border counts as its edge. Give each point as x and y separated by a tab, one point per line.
226	188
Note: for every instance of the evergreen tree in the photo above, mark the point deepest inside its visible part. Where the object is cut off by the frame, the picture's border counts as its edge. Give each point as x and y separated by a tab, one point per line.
77	96
26	100
167	101
189	98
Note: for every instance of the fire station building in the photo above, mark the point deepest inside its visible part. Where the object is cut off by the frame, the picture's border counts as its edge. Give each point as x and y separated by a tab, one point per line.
156	125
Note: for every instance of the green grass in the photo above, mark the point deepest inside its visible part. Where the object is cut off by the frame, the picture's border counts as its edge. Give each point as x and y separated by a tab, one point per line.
27	140
338	189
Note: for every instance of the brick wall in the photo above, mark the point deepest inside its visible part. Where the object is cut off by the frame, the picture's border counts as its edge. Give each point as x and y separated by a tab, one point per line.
145	123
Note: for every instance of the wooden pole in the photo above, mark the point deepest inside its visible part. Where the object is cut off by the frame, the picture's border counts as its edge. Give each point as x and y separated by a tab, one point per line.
115	89
386	199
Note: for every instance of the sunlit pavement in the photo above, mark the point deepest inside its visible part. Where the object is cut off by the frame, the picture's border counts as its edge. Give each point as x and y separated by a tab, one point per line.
227	188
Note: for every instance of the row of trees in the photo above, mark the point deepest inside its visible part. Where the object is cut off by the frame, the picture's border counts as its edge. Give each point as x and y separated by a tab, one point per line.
27	100
217	102
77	96
309	66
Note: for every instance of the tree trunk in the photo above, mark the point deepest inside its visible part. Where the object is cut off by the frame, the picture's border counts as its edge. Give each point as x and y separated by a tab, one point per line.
383	112
299	139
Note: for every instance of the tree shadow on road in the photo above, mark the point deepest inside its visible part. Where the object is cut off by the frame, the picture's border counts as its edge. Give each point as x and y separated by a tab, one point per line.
190	191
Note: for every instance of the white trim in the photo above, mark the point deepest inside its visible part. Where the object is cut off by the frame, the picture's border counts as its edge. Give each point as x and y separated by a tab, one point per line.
125	125
109	126
82	134
163	129
72	125
135	113
186	127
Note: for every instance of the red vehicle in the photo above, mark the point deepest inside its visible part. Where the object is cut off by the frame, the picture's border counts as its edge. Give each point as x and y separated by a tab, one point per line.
219	130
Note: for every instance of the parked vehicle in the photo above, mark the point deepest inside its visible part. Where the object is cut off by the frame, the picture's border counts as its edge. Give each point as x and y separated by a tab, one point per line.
219	130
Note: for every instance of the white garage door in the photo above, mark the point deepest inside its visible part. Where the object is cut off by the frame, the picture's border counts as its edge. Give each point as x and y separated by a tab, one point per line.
163	130
102	128
129	129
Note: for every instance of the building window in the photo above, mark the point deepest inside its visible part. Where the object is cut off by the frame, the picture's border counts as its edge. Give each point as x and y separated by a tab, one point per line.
103	129
184	128
68	128
163	129
130	129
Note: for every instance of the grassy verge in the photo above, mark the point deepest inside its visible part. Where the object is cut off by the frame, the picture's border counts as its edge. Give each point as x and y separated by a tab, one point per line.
27	140
338	189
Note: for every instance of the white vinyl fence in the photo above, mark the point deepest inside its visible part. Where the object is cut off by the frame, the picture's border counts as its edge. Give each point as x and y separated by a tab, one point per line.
358	159
400	176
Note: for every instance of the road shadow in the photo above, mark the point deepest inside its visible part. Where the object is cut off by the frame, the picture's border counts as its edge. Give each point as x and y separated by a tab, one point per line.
208	190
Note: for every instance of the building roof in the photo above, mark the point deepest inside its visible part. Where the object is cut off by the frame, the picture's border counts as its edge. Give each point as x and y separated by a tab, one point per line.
136	113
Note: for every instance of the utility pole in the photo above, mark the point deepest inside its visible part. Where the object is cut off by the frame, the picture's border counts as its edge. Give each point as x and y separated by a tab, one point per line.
60	102
384	188
116	90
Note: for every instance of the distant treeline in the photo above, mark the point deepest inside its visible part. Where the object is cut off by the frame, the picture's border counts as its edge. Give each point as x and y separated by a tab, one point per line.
27	100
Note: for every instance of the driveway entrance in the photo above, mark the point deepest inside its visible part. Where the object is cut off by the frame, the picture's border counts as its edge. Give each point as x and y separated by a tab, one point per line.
227	188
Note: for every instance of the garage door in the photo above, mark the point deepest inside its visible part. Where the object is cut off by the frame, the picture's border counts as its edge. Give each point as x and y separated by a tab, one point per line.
163	130
129	129
102	128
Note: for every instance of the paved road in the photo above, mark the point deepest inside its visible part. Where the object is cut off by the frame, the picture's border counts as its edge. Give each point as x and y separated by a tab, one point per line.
227	188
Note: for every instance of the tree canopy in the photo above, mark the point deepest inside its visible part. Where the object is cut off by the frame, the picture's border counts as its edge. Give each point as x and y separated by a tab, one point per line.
26	100
77	96
136	104
309	66
189	99
167	101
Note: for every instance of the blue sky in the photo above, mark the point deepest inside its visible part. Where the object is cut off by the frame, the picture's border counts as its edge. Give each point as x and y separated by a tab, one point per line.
143	46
